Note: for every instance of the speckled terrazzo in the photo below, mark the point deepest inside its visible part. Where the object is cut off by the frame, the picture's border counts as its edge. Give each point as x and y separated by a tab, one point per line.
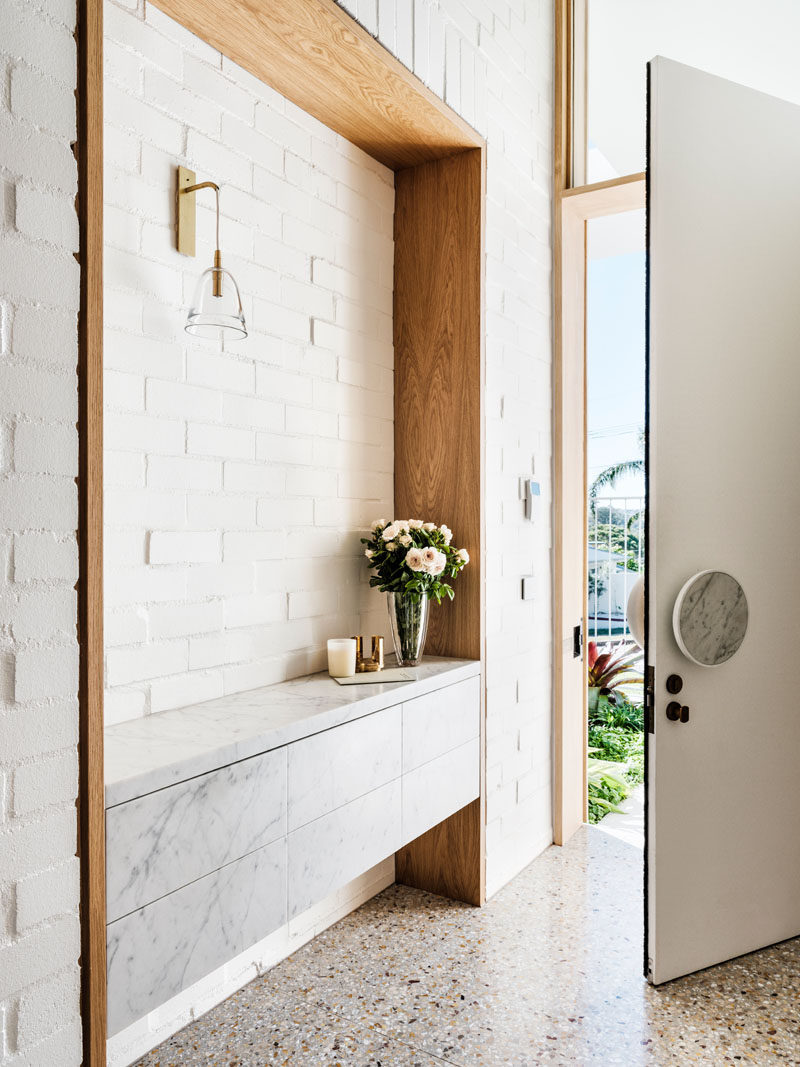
548	972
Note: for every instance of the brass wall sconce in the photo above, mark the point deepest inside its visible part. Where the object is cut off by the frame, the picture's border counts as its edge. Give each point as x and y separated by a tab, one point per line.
375	661
216	308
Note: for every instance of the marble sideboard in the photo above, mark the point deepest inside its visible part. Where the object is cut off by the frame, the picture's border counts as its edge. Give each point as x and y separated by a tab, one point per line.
227	819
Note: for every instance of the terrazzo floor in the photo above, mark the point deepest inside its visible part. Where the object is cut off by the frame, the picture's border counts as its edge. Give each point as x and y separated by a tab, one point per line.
549	972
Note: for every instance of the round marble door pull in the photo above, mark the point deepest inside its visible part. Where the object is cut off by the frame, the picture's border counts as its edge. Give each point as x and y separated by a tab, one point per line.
710	618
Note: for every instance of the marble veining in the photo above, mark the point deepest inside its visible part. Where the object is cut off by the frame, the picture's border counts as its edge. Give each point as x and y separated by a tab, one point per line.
711	618
159	950
150	753
440	788
326	854
548	972
332	768
441	721
164	840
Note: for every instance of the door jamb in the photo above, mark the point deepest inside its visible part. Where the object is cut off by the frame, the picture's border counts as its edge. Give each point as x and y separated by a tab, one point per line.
574	207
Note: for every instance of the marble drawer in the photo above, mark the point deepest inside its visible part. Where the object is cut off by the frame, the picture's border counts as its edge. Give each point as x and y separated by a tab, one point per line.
326	854
334	767
440	788
162	841
440	722
157	951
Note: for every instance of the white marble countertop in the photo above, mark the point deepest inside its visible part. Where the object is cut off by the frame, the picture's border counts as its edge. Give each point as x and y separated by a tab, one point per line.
147	754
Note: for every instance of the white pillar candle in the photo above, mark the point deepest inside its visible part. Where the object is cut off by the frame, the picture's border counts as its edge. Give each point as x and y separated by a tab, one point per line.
341	657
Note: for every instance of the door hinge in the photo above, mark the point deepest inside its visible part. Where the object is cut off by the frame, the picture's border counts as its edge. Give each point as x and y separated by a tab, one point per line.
577	641
650	698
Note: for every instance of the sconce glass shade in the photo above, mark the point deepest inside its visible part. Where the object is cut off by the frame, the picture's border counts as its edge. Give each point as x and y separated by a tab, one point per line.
216	317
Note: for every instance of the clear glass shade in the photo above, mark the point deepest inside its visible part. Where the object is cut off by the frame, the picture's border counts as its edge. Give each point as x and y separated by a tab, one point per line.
216	310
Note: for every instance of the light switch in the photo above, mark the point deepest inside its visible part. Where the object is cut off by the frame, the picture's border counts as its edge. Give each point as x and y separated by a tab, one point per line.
533	496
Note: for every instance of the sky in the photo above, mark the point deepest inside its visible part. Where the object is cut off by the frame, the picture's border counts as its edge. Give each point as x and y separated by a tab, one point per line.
615	334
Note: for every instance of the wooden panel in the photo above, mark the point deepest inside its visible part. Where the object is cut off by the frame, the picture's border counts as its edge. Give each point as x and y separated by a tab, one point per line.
322	60
569	807
606	198
439	445
90	531
439	373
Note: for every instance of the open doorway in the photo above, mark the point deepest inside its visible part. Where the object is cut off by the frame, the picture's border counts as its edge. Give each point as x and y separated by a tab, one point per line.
615	421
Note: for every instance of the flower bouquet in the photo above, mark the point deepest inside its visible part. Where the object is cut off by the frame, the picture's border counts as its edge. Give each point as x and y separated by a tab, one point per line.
413	561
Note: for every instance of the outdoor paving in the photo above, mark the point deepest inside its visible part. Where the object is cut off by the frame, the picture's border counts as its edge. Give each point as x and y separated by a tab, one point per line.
549	972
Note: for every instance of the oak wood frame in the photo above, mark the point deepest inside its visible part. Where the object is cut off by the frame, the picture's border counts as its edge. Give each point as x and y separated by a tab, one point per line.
316	55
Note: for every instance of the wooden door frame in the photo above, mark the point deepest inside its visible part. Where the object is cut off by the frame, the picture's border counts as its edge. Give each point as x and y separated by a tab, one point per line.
317	56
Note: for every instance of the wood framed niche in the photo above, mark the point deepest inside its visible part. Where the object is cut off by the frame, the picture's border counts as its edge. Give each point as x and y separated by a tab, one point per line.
316	55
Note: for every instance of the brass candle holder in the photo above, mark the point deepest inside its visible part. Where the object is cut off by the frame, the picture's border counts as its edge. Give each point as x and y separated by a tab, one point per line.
375	661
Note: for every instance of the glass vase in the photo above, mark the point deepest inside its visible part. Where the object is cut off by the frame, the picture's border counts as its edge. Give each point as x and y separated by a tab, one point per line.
408	616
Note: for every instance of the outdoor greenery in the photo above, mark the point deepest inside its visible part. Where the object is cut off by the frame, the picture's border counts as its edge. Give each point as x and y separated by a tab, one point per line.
616	753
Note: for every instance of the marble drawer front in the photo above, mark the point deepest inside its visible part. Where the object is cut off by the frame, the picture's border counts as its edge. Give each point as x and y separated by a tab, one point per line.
165	840
440	788
159	950
326	854
440	721
332	768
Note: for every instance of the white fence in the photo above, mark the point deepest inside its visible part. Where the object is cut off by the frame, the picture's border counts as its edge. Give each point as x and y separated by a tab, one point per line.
616	560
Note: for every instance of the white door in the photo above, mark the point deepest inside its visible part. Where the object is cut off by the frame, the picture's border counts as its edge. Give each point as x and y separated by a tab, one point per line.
723	850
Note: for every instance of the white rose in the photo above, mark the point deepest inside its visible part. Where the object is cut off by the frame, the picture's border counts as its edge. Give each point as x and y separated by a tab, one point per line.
429	558
391	532
463	555
447	533
429	526
404	540
391	546
438	564
414	560
415	524
368	553
378	524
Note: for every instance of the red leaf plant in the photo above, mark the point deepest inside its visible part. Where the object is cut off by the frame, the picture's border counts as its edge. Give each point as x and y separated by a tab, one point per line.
608	670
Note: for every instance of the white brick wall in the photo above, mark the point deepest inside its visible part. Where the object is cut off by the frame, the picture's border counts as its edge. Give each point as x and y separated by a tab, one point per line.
492	61
39	873
220	457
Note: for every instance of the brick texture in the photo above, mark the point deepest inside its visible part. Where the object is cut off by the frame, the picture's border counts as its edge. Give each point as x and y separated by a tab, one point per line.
39	277
226	459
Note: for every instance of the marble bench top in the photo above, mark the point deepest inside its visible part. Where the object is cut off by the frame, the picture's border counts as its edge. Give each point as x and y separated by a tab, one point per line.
168	747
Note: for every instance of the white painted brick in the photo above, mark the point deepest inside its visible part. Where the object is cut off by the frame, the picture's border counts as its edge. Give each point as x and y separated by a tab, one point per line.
254	610
44	612
241	547
43	557
191	688
184	547
47	217
144	433
40	502
45	449
212	84
310	422
307	604
122	391
258	478
49	1008
218	372
40	673
127	665
127	627
185	620
124	469
256	413
288	450
43	951
136	507
43	103
167	398
222	441
183	472
142	354
220	511
168	95
51	781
